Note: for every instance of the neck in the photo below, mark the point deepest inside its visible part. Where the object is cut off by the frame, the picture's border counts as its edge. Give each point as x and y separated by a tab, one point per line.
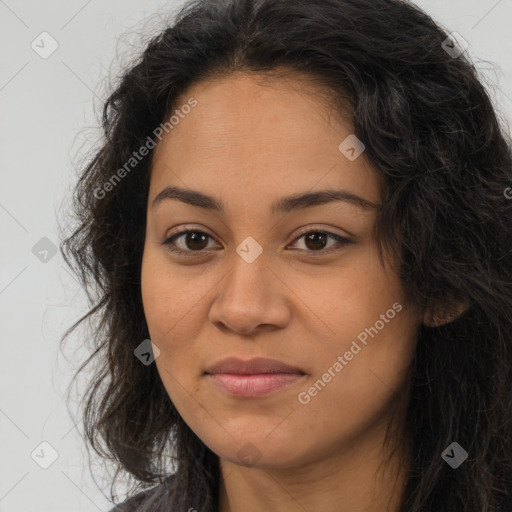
362	479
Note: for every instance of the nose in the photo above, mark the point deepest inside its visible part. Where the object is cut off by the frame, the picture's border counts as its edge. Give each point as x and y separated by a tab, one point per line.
251	297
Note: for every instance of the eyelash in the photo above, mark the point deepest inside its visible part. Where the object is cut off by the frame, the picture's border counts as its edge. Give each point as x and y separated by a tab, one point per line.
342	241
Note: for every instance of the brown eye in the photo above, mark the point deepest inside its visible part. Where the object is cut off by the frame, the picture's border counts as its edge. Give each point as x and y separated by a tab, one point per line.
192	241
315	241
196	240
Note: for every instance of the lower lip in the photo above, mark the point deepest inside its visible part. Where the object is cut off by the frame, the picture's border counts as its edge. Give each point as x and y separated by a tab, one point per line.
254	385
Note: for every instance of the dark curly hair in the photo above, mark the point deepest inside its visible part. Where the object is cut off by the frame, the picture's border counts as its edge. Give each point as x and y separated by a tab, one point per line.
431	130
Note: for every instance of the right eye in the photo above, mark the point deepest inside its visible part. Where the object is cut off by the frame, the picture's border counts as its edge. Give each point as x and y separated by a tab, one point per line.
190	242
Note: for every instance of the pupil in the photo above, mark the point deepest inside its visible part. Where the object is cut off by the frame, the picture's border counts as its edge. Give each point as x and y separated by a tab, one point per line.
312	236
194	237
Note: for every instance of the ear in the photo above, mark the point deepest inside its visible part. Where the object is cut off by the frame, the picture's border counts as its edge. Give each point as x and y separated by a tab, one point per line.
441	314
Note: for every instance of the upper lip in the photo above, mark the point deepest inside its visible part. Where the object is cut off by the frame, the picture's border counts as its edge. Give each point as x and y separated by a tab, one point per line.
251	366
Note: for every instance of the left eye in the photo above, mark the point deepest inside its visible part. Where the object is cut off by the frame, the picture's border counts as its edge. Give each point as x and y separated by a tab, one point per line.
194	241
314	238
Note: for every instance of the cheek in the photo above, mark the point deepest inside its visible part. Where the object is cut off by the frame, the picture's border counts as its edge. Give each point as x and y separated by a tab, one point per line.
167	295
155	295
168	307
364	385
350	298
162	307
175	307
372	330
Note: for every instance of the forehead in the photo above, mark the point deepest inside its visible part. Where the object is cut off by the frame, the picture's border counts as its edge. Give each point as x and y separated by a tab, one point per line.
263	135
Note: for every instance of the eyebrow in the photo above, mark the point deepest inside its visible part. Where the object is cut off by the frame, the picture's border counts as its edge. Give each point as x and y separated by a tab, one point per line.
282	206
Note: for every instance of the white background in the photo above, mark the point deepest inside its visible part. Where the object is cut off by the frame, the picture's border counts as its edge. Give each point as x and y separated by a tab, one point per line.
48	118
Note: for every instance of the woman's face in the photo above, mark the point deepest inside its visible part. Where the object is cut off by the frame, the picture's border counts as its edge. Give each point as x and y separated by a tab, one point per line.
253	284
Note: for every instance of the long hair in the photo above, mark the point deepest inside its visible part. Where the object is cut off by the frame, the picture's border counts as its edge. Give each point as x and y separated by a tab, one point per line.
432	132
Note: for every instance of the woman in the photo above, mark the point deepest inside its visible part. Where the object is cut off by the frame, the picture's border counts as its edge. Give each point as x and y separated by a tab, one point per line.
300	242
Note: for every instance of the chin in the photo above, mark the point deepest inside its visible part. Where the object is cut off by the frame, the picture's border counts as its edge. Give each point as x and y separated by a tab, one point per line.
257	450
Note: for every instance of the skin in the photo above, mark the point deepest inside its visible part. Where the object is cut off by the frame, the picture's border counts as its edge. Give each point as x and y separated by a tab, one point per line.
250	144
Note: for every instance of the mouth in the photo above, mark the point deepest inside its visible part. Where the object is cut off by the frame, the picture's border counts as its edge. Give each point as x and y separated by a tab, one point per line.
253	378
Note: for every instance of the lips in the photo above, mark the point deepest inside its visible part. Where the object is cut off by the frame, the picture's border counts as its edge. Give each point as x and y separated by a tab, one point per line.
253	378
254	366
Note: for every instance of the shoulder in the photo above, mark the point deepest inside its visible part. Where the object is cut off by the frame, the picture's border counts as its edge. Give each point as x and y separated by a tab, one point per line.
133	503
